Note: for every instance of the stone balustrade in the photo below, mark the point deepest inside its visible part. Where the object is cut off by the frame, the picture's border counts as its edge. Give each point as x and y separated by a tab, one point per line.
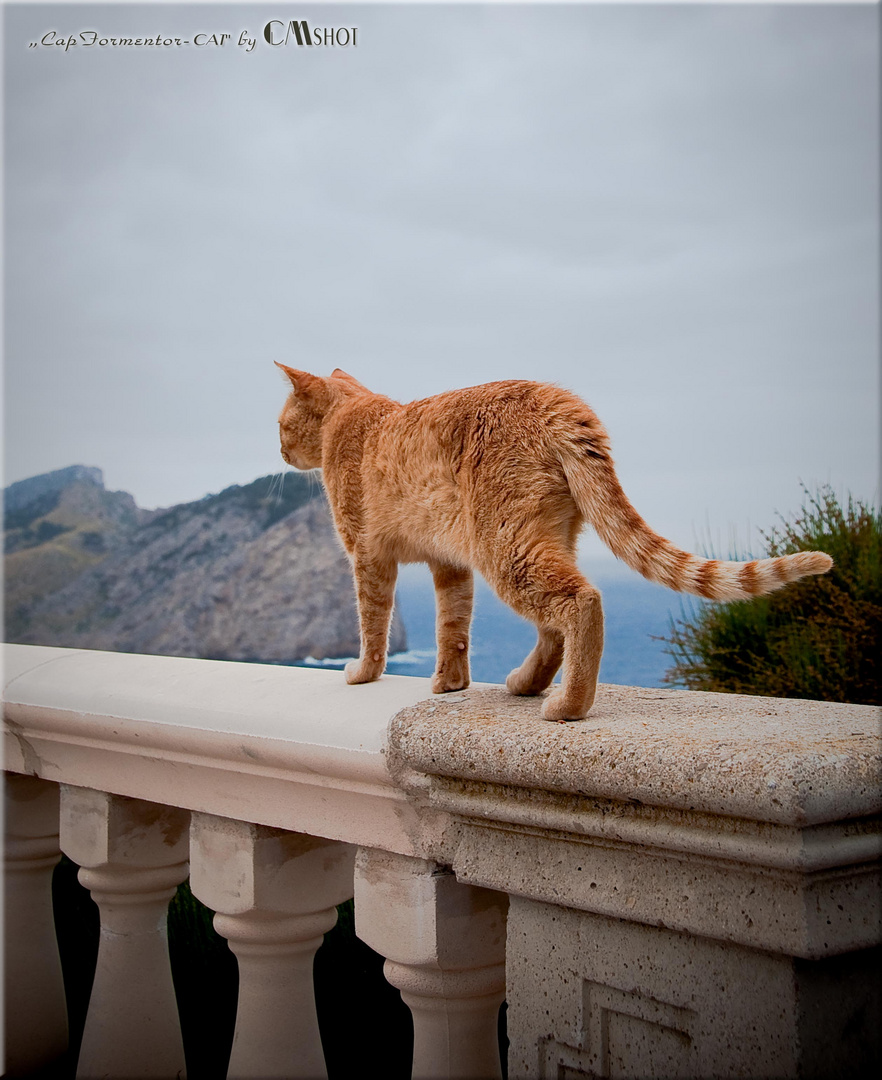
683	885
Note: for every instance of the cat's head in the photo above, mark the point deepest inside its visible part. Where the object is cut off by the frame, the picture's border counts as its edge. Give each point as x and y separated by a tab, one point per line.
311	399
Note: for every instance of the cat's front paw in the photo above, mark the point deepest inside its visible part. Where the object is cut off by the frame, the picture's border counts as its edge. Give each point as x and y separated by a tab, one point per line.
558	709
362	671
443	683
451	673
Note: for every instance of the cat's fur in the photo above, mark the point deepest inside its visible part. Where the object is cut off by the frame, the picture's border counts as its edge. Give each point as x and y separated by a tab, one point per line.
500	479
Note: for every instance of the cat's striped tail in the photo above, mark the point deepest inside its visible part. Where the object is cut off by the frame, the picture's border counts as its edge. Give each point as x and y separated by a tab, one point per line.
600	498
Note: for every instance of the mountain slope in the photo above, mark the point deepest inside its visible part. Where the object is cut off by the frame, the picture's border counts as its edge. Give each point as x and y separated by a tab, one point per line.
56	526
252	573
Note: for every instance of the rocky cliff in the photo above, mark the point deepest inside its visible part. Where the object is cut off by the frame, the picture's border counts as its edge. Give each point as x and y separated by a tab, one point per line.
253	573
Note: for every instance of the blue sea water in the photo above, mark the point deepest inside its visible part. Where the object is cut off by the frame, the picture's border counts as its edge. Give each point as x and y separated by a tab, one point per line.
636	614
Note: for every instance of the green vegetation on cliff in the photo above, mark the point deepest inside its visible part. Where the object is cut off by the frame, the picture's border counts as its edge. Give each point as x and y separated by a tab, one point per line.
820	638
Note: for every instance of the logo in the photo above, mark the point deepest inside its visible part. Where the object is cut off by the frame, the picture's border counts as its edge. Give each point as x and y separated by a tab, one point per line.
297	31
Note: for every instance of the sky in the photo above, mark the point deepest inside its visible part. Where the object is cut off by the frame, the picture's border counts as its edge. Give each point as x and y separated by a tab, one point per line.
672	210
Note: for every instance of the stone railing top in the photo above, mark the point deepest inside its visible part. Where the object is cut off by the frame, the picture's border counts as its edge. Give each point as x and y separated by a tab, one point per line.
291	748
289	718
782	761
216	736
737	810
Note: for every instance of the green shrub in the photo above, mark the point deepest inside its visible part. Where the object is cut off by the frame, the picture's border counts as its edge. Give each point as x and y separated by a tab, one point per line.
818	638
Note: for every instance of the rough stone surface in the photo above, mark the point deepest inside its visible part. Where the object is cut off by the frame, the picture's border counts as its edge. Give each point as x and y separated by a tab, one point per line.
766	759
808	914
595	996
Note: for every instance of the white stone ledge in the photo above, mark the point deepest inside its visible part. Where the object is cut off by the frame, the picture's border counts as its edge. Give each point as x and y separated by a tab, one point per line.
288	747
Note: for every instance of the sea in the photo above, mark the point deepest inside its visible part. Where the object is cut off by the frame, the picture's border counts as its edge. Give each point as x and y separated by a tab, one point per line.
637	616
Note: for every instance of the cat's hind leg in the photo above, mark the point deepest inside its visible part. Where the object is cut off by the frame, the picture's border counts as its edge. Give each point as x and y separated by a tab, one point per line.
454	593
375	589
542	583
581	618
538	670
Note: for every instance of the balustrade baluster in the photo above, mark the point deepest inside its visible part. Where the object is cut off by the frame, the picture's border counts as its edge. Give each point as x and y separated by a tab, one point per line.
133	855
275	894
34	1004
444	944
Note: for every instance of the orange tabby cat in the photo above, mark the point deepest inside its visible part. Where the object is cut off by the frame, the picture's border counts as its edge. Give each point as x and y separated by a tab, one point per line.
497	478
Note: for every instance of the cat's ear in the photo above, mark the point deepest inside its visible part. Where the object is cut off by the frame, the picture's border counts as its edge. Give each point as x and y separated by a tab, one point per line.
304	384
339	373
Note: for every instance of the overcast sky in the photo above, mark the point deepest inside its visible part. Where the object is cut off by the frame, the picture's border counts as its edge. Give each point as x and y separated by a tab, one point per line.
672	210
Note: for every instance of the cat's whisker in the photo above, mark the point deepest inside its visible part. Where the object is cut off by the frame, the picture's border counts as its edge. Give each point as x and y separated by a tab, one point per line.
314	478
275	486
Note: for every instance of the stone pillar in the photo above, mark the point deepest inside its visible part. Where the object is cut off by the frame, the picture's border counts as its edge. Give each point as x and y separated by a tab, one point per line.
34	1005
133	855
275	894
445	949
625	999
695	879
